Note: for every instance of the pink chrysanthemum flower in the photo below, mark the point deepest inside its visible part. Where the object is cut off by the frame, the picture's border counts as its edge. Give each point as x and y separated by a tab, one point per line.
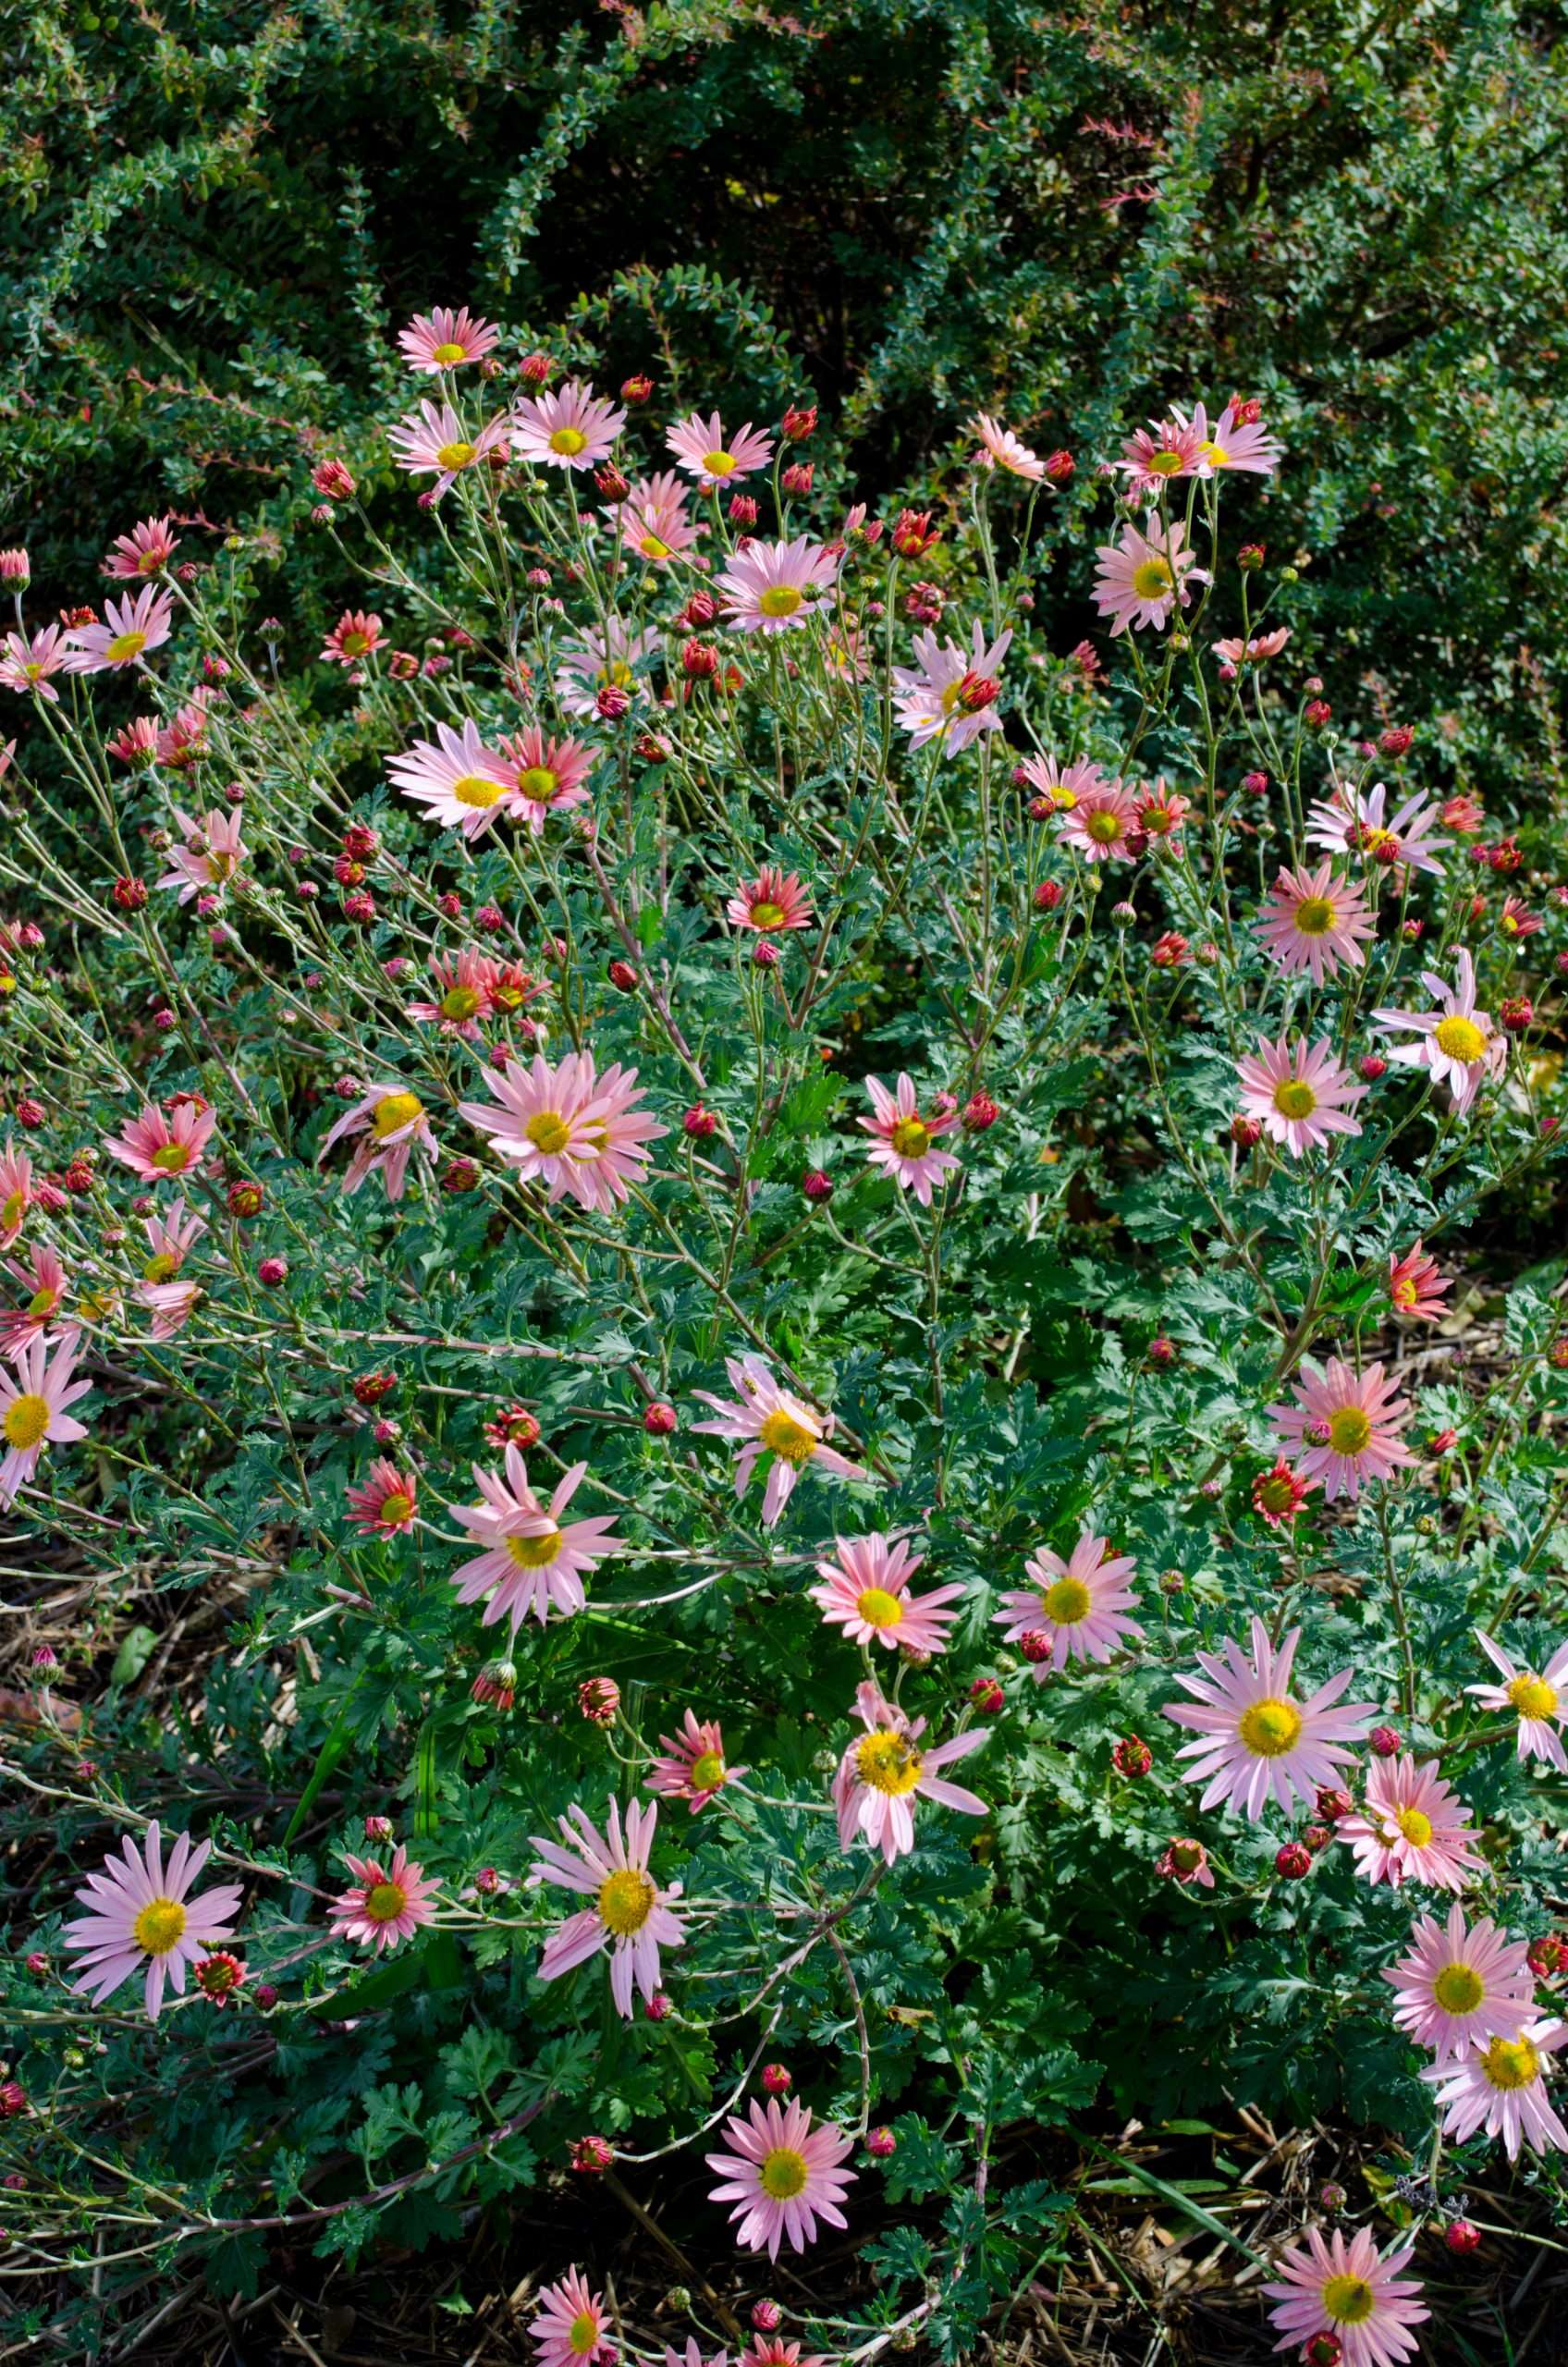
950	693
904	1142
782	2175
1345	2287
385	1500
886	1770
1314	921
170	1241
773	902
353	637
1301	1096
1152	456
572	2328
767	1421
465	998
15	1193
43	1280
570	1128
1098	823
653	519
146	550
771	587
694	1767
1414	1827
1517	921
389	1123
30	659
1256	1741
602	661
1236	652
1501	2088
1416	1287
1162	812
1459	1045
866	1594
432	442
130	627
706	453
568	427
182	742
1535	1701
1000	449
381	1907
1079	1605
442	339
1344	1427
32	1409
530	1560
456	779
1142	577
1352	821
210	855
140	1911
157	1146
549	775
1065	784
1232	443
1278	1494
631	1915
1461	1984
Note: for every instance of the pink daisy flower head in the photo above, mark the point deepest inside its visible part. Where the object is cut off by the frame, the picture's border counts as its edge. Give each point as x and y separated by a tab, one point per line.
1153	457
170	1240
1099	822
210	856
568	427
887	1769
1299	1094
1232	442
1079	1605
1344	1427
775	901
1358	821
782	2175
631	1915
1457	1044
1237	653
1000	449
353	637
601	661
1315	922
576	1131
33	1398
146	550
15	1193
654	525
1501	2088
904	1140
951	693
1461	1984
1416	1287
767	1421
42	1280
1065	784
157	1146
1143	577
772	587
572	2329
465	998
1279	1494
30	659
1414	1827
182	742
706	453
531	1560
386	1501
1346	2287
456	779
388	1124
866	1594
1256	1741
442	339
139	1911
692	1767
132	627
434	442
1535	1701
382	1906
548	774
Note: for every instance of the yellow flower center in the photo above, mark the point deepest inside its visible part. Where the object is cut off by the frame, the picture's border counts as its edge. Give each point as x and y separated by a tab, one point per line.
548	1133
1349	1430
124	647
1293	1097
880	1609
11	1210
396	1506
625	1901
1066	1602
1417	1828
718	464
1460	1039
447	355
767	915
394	1111
652	547
354	644
1511	2064
1102	826
887	1764
534	1552
617	672
1270	1728
911	1137
461	1003
162	1268
539	784
1165	464
171	1158
1404	1293
569	441
583	2335
783	2174
1348	2300
385	1901
1532	1697
1459	1989
44	1302
781	600
1315	916
708	1772
1152	580
455	456
27	1420
782	1435
476	791
160	1924
1216	455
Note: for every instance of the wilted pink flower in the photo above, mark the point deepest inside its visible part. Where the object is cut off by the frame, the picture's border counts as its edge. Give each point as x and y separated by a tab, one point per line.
530	1560
904	1140
771	587
146	550
156	1146
692	1767
1079	1606
950	693
458	779
1454	1041
653	519
1414	1827
1314	921
1516	920
1501	2088
548	774
1000	449
131	627
1460	1985
572	2329
1256	1741
30	659
1142	577
385	1500
389	1123
1347	2288
441	339
1344	1425
705	453
1236	653
1535	1700
867	1596
32	1409
882	1774
210	855
568	427
170	1240
631	1915
1354	821
44	1280
432	442
1415	1285
1098	824
602	661
570	1128
382	1907
1300	1096
182	742
782	2175
15	1193
1184	1861
769	1421
139	1911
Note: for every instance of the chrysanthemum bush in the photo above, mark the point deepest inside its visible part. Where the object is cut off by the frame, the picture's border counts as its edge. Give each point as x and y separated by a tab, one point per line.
789	1273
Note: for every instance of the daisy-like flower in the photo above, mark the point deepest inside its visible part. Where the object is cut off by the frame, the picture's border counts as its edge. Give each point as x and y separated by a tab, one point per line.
714	458
1352	821
1000	449
951	693
385	1500
866	1594
383	1904
1099	822
1301	1095
441	339
15	1193
782	2175
549	775
577	1132
1278	1494
1162	812
630	1915
32	1409
210	854
456	779
886	1770
389	1123
465	998
1344	1425
43	1280
434	442
1079	1605
771	587
769	1422
773	902
1152	456
146	550
1417	1287
156	1145
904	1142
29	659
137	1911
570	427
572	2327
1315	922
694	1767
1459	1045
1500	2088
1346	2287
130	627
1535	1701
1142	577
1414	1827
182	742
1232	443
1065	784
653	520
1257	1742
1461	1984
353	637
530	1560
602	661
1516	920
1237	654
170	1241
